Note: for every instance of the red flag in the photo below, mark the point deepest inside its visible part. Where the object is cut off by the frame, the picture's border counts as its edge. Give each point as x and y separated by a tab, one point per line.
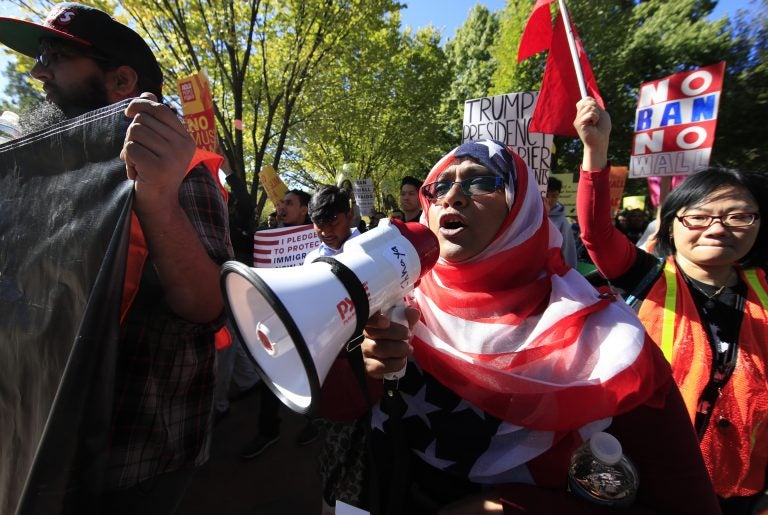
537	34
556	107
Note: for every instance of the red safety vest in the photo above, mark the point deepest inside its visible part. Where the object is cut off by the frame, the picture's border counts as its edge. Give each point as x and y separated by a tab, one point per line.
735	443
138	251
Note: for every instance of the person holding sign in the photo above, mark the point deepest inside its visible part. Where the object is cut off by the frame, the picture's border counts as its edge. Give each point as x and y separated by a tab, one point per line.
704	303
292	210
516	360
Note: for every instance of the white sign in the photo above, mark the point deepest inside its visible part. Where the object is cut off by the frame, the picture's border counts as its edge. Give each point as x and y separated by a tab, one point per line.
363	191
506	118
283	247
675	123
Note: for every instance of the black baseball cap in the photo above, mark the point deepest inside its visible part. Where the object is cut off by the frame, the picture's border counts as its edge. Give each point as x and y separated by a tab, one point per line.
92	29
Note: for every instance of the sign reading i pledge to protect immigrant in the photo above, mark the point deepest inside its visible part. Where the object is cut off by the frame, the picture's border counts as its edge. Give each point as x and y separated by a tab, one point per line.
197	106
283	247
272	184
506	118
675	123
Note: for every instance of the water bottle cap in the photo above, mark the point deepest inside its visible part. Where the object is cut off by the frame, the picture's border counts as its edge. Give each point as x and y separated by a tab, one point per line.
605	447
9	126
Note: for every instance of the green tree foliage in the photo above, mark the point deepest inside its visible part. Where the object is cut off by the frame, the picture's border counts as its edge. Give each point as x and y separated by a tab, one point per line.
265	61
471	67
740	137
509	76
381	123
22	92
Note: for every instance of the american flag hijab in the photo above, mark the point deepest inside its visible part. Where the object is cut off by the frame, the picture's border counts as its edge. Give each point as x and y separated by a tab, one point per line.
520	335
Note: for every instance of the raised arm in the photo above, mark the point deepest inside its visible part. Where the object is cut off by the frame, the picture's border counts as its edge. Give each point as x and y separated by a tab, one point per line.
610	250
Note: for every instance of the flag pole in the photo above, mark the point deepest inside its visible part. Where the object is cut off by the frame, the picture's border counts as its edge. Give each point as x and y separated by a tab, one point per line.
572	46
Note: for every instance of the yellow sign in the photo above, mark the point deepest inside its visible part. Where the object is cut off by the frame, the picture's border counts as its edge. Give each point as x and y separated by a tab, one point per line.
197	106
272	184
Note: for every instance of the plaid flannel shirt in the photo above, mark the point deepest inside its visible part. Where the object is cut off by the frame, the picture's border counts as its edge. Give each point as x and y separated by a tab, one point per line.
161	420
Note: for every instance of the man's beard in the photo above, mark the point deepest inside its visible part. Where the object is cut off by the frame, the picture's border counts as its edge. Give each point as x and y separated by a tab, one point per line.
92	95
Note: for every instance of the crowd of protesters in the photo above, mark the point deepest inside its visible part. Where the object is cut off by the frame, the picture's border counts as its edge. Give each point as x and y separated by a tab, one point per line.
513	359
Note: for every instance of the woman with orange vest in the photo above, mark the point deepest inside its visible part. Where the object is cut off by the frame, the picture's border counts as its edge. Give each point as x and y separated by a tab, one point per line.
704	303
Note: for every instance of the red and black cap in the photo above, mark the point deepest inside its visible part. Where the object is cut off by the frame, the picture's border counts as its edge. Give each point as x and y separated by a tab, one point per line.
91	28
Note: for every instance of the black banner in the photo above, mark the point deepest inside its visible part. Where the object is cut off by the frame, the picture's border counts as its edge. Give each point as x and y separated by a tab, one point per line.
64	212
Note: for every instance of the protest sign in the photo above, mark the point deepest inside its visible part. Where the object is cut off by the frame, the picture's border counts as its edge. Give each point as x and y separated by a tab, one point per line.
363	191
506	118
272	184
197	106
675	123
617	179
65	207
283	247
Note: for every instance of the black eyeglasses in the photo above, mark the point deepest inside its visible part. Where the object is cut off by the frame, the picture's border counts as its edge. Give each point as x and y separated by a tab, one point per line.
729	220
51	56
472	187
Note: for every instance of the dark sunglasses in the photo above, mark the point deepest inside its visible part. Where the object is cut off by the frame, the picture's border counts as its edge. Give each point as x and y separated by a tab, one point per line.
55	55
472	187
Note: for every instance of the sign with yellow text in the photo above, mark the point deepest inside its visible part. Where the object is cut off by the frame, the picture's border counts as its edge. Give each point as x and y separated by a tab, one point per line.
197	106
272	184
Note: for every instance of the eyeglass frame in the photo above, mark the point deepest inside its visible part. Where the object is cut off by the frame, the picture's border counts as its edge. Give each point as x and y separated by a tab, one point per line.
721	218
434	198
68	52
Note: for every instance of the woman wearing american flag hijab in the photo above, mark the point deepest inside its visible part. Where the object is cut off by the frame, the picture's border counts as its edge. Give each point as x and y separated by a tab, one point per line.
513	360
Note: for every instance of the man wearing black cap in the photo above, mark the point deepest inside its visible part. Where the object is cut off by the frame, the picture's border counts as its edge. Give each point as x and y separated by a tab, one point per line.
160	427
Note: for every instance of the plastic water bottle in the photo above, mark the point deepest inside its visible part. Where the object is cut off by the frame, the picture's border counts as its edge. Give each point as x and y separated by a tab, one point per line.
9	126
600	472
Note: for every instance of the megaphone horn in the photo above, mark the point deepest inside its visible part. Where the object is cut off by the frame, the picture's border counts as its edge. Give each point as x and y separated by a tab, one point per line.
295	321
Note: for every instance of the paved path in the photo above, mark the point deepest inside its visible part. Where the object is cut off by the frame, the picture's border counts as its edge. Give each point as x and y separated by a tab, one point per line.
281	481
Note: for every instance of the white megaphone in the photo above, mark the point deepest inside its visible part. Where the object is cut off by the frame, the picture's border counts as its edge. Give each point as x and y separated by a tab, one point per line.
295	321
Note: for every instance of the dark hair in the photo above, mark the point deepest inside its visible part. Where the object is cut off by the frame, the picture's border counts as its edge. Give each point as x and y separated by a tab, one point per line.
697	187
304	197
554	184
413	181
327	202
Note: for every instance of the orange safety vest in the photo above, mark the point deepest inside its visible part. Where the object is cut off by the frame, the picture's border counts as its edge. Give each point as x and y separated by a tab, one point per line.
735	444
138	251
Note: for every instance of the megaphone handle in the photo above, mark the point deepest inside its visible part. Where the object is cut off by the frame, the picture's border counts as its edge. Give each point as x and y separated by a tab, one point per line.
396	314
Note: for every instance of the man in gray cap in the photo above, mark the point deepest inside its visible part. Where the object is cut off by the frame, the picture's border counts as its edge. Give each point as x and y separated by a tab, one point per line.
161	419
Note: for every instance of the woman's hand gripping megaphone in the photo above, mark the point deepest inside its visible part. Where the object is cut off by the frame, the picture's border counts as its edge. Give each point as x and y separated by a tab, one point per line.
386	344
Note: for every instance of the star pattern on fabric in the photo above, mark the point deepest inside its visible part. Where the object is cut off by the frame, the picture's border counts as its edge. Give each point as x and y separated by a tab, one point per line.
419	400
378	418
493	148
464	405
430	457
